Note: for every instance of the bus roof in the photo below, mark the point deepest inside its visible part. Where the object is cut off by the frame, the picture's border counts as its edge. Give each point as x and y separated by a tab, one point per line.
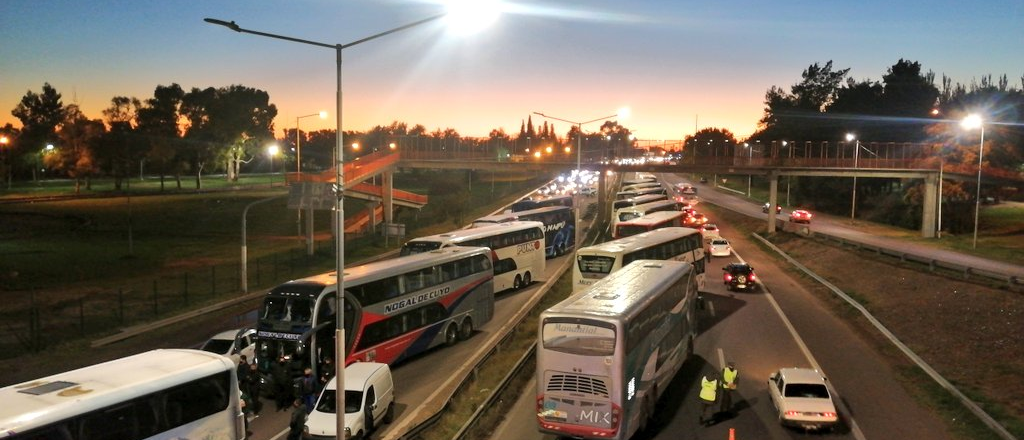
653	218
461	235
624	292
498	218
43	401
638	241
647	206
384	268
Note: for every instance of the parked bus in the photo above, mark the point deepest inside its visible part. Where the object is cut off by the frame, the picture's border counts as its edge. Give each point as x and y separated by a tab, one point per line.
516	250
632	212
633	201
649	222
637	192
607	354
159	394
559	226
640	179
394	309
644	185
680	244
528	204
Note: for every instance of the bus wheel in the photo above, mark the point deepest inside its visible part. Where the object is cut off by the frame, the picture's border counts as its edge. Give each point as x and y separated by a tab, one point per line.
466	330
451	335
518	283
527	279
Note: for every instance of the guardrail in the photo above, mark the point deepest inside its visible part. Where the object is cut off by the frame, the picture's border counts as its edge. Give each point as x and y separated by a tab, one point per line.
1013	282
971	405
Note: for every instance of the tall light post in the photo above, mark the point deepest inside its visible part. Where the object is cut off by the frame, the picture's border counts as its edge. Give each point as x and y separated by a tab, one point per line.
466	18
971	122
579	132
298	142
856	154
750	159
4	141
272	151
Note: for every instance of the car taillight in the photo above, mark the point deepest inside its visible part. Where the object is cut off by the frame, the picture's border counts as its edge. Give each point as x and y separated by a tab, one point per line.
752	276
728	277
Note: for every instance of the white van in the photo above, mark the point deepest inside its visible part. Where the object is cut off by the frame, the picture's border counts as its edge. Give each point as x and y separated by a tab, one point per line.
369	400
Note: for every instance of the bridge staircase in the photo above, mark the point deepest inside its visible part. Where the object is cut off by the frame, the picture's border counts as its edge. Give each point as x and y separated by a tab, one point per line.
356	174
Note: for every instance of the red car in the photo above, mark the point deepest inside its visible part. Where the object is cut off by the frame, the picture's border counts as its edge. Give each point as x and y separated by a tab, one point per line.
800	216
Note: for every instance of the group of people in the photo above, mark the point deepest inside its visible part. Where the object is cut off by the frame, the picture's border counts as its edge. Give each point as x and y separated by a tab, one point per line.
718	388
298	394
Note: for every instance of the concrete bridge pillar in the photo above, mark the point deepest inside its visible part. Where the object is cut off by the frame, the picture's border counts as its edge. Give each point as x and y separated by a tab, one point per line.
387	186
773	199
929	206
602	194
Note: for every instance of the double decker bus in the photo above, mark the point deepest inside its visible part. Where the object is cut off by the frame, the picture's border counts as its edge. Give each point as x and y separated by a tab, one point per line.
159	394
649	222
637	211
517	249
679	244
528	204
394	309
607	354
559	226
633	201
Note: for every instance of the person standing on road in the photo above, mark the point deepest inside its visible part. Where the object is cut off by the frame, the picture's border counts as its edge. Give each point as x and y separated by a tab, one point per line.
729	377
254	387
242	370
307	388
298	420
708	394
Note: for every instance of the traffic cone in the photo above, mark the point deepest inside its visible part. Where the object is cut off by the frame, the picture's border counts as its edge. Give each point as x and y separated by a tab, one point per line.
732	433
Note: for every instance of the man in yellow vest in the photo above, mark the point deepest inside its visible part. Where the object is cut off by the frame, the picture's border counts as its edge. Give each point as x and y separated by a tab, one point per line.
708	394
729	377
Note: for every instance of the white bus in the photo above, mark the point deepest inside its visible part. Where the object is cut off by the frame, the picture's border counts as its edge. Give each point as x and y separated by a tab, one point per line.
644	185
634	201
680	244
607	354
637	211
394	309
517	250
159	394
649	222
559	226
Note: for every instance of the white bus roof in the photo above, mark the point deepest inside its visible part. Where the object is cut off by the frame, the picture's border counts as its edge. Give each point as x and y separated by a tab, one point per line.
638	241
510	216
53	398
385	268
461	235
652	218
622	293
644	207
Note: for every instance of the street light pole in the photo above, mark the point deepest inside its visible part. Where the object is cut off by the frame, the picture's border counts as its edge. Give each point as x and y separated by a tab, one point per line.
970	122
339	337
579	133
856	154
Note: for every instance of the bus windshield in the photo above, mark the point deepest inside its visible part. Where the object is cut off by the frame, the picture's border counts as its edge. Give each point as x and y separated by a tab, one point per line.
419	247
577	338
595	266
629	230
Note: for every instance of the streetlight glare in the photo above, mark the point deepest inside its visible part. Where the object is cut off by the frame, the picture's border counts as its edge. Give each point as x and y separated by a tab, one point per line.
850	137
273	150
323	114
971	122
466	17
624	113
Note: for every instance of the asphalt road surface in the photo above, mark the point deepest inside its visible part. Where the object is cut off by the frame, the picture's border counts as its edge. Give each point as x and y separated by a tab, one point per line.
779	325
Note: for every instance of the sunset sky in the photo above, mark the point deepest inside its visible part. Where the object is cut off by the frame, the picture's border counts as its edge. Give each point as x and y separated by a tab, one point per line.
677	64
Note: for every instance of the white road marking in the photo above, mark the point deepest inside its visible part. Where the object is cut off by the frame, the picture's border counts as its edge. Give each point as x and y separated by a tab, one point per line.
721	359
854	429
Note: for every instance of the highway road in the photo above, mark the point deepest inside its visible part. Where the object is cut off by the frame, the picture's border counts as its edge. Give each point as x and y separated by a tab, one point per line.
841	228
418	379
780	325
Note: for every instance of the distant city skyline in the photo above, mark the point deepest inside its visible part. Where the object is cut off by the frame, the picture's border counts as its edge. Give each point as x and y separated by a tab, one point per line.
678	65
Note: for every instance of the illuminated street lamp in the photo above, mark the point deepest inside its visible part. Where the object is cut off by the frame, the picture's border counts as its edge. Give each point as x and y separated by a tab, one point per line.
462	16
971	122
298	143
392	146
7	167
856	154
579	130
272	151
